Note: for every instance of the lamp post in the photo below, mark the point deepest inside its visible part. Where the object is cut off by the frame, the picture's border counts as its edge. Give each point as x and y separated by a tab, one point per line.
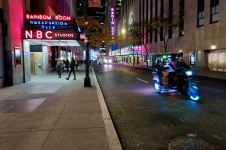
87	82
137	57
133	54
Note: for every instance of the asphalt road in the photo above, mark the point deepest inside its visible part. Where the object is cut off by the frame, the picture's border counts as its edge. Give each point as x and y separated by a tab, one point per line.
146	120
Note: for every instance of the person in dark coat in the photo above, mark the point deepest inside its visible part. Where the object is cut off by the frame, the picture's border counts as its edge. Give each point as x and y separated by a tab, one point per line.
72	69
58	67
180	67
67	65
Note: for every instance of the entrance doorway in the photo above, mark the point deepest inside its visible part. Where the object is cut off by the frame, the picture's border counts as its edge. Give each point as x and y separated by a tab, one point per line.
217	61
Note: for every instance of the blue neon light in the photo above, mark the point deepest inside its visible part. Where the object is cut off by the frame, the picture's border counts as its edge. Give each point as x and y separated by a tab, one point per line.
57	23
79	29
48	24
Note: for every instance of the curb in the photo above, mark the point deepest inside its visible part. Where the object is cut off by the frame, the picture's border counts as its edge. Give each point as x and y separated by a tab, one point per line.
113	140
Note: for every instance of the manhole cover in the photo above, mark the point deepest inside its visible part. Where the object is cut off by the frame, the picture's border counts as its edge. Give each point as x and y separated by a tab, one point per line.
187	143
20	106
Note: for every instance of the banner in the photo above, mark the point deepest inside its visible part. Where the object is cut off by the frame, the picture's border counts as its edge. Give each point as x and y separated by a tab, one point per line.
94	3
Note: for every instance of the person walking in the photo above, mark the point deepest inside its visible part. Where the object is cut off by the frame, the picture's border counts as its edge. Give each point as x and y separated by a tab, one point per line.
67	65
72	69
58	67
63	63
76	64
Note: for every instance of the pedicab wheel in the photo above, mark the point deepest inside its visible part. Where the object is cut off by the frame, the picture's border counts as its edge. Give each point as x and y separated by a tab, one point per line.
157	87
193	92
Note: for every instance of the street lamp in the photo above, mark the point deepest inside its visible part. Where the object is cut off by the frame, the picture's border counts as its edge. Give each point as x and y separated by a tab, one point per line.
133	54
87	82
123	31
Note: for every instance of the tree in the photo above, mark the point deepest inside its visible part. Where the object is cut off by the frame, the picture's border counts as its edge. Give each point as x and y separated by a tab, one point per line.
135	32
162	26
97	32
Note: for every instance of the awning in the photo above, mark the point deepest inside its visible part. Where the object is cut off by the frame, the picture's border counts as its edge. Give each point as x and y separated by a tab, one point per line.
55	42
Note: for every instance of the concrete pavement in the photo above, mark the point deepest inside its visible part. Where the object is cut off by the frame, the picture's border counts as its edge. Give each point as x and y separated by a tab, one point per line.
51	113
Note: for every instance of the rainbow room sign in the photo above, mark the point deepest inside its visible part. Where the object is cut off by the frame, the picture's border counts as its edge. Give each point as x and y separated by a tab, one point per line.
113	22
49	27
47	22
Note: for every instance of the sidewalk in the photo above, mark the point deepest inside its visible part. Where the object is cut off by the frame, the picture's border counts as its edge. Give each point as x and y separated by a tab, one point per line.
204	73
50	113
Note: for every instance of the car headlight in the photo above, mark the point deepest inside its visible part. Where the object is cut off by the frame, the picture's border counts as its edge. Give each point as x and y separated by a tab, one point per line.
110	61
105	61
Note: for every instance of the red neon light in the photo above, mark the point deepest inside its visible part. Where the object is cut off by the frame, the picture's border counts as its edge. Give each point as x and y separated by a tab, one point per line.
47	36
113	21
28	35
64	35
39	17
39	34
65	18
47	17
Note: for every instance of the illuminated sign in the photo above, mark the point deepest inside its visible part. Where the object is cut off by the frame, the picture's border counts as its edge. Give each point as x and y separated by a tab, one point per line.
82	36
47	17
192	58
17	56
48	34
130	50
115	53
112	22
47	22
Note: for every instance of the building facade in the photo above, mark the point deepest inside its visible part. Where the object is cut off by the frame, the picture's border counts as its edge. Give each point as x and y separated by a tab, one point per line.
20	58
200	35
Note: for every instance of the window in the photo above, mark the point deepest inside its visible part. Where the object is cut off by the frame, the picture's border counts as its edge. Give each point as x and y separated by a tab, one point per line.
162	11
214	10
151	14
147	30
181	17
170	17
200	15
156	15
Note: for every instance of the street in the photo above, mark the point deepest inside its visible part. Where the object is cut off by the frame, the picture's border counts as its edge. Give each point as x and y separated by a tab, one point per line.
148	121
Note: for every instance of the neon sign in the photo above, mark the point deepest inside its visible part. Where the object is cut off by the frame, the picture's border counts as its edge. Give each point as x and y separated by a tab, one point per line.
40	34
131	50
47	17
47	22
112	22
115	53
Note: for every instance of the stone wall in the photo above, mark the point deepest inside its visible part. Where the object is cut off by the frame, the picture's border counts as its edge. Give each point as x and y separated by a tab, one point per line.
197	39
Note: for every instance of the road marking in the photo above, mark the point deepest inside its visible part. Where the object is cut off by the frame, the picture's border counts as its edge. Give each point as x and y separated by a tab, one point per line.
142	80
6	109
123	112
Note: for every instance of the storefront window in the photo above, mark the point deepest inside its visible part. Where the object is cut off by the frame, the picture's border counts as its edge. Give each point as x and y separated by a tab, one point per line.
192	58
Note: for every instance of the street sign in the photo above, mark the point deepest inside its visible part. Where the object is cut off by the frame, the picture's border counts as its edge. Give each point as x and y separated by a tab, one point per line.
82	36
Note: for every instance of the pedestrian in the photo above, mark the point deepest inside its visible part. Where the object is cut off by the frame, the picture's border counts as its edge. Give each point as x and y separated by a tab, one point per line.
67	65
72	69
76	64
81	62
58	67
63	63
